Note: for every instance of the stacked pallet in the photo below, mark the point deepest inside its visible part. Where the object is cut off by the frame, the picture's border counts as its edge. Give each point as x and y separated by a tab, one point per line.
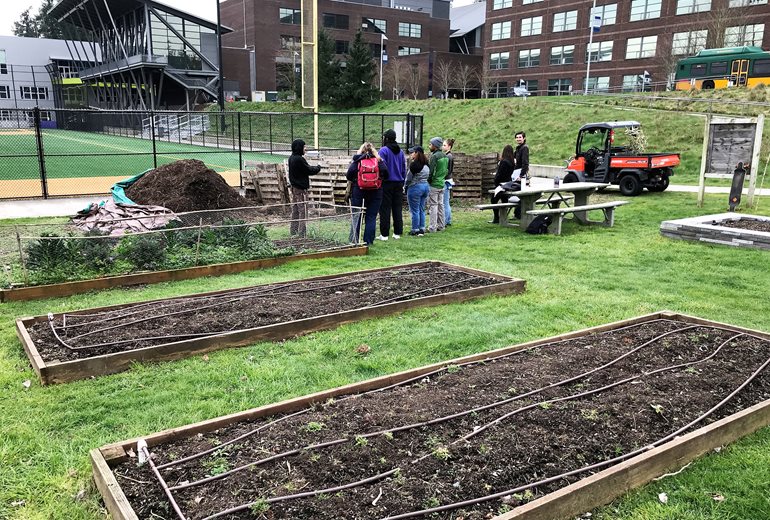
473	175
330	185
266	183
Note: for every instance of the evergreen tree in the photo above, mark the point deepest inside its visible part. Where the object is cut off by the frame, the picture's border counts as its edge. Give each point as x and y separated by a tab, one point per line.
48	26
26	26
329	70
357	87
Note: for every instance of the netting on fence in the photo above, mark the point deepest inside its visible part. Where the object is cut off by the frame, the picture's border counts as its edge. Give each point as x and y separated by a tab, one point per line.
60	251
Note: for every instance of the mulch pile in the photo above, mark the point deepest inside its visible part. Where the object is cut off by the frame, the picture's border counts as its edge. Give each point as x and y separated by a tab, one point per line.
186	185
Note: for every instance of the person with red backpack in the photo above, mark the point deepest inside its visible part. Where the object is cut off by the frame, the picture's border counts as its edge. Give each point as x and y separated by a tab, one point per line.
366	172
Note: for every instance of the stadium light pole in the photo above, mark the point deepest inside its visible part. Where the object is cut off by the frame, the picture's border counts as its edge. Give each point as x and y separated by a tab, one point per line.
590	43
382	52
221	89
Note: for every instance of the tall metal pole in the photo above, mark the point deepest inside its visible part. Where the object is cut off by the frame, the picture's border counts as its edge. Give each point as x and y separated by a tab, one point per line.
221	89
382	52
590	43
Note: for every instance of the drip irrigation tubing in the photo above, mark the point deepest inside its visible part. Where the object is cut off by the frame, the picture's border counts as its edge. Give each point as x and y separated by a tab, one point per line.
163	485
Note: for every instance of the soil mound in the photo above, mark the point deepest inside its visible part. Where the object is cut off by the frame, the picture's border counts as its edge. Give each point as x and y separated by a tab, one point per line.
186	185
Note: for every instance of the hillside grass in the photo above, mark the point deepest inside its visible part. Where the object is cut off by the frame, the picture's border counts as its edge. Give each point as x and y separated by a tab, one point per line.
586	277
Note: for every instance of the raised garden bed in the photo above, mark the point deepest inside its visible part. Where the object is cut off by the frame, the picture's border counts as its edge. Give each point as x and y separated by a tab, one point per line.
75	345
546	429
732	229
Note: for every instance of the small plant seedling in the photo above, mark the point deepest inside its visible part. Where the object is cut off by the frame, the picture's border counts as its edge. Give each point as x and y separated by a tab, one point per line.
383	460
442	453
315	457
545	405
691	370
216	466
591	415
657	408
484	449
452	369
259	507
314	426
361	441
388	435
504	509
512	390
524	497
432	502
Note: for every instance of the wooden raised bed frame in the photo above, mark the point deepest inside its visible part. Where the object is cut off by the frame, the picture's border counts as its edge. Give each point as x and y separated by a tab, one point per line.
110	282
67	371
568	502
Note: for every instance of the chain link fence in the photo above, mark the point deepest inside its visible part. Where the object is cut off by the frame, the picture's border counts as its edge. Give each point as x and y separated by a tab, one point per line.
62	152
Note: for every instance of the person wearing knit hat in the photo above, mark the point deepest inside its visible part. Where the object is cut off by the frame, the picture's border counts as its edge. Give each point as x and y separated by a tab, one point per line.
438	165
392	187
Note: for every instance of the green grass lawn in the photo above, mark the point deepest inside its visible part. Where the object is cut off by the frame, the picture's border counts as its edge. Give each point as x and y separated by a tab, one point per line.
587	277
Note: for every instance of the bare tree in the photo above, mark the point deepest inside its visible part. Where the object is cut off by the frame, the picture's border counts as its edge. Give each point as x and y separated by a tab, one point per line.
442	76
719	19
465	78
395	76
414	79
485	80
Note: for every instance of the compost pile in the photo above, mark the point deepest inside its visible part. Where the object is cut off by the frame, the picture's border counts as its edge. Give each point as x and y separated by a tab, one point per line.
186	185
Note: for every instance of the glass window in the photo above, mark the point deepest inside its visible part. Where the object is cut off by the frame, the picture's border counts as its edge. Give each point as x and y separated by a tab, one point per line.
341	46
643	47
719	67
632	83
531	26
529	58
5	92
292	16
761	67
336	21
566	21
525	2
33	92
645	9
501	30
744	35
600	84
608	13
407	51
5	115
499	90
374	25
562	55
3	68
692	6
697	70
744	3
599	51
558	87
410	30
499	60
688	43
501	4
532	86
290	43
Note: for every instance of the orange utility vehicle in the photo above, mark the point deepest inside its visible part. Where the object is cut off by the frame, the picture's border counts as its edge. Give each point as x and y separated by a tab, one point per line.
602	154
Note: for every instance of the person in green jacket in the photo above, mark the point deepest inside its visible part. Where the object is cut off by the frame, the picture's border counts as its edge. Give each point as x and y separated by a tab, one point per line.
439	166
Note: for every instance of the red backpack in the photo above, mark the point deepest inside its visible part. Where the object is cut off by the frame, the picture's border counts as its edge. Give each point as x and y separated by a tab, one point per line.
369	174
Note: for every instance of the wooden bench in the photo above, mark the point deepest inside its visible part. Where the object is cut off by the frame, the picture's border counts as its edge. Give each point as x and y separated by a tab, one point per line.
580	212
508	206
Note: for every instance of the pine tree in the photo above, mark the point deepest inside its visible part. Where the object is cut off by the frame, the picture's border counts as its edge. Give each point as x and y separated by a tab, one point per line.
48	26
357	86
26	26
329	70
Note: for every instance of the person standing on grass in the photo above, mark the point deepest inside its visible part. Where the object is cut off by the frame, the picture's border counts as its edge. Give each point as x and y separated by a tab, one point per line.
417	189
392	187
521	155
299	179
502	176
448	181
368	198
438	165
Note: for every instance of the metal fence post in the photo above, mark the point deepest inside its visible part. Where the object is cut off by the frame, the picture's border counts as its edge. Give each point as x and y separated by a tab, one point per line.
270	131
40	152
409	132
240	151
152	135
348	133
363	128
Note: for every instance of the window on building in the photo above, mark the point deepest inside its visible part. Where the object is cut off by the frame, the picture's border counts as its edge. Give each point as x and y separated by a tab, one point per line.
600	84
45	115
499	89
290	43
744	35
525	2
599	51
562	55
5	115
410	30
608	13
719	67
688	43
374	25
645	9
5	92
499	60
33	92
762	67
744	3
292	16
408	51
376	49
566	21
643	47
72	96
501	4
336	21
558	87
341	46
529	58
531	26
633	83
692	6
501	30
67	71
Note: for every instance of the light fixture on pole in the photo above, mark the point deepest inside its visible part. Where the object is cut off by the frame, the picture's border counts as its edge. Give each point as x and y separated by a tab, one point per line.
594	24
382	55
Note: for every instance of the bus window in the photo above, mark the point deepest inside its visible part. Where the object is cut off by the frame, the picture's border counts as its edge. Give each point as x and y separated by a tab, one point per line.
761	67
697	70
719	68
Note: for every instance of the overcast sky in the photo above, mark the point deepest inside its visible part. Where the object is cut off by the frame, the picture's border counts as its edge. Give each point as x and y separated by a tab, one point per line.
11	9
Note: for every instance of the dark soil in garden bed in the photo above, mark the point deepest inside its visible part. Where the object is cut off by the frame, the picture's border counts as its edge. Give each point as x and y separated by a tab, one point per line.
517	432
186	185
747	223
198	316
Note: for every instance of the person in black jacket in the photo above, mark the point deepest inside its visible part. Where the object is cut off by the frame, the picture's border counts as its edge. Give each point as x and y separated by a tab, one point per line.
299	178
370	199
521	155
503	176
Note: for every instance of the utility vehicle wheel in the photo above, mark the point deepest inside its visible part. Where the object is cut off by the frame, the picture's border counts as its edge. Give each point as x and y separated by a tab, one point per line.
571	177
660	186
630	185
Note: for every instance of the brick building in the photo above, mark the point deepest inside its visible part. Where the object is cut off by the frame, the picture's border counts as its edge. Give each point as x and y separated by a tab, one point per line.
272	29
546	42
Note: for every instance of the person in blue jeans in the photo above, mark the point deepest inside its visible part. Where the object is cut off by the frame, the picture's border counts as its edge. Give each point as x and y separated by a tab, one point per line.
369	199
417	189
448	181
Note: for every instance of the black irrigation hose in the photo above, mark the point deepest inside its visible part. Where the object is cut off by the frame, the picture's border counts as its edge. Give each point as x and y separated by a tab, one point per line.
438	420
473	502
163	485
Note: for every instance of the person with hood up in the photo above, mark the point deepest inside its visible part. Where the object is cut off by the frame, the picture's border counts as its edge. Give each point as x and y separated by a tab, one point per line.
438	165
392	187
299	178
370	199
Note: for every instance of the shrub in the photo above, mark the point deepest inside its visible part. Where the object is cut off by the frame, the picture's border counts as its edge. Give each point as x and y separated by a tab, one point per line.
144	252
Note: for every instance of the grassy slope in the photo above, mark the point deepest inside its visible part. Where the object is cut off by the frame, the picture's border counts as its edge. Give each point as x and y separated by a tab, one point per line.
586	277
